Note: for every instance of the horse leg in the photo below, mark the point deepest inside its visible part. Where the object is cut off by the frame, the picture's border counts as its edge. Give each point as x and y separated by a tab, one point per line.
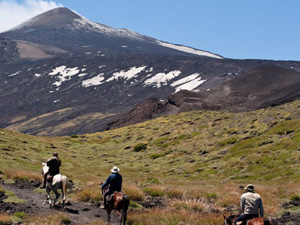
124	216
49	196
108	216
56	196
64	191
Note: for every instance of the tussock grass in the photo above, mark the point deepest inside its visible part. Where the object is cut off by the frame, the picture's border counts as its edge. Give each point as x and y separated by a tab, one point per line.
90	193
172	217
134	192
176	193
154	190
54	219
193	156
23	175
6	219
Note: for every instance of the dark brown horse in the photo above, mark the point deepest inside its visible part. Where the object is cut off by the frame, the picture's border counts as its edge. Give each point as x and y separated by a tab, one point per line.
120	203
255	221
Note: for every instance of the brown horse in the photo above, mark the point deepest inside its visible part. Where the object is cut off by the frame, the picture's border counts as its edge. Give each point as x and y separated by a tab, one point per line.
255	221
118	202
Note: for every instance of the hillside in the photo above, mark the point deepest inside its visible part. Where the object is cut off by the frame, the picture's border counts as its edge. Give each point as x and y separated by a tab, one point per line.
261	87
192	144
200	155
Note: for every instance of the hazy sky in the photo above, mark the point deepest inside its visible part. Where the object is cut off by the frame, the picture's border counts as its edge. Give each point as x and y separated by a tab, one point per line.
240	29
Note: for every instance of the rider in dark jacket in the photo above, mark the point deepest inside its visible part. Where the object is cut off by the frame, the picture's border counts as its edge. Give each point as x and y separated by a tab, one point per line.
113	182
53	163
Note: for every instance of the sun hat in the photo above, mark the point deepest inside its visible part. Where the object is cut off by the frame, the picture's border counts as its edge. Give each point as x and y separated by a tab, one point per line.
115	169
249	187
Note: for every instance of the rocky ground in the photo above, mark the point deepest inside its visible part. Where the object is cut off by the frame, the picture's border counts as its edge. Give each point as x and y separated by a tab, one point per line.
79	213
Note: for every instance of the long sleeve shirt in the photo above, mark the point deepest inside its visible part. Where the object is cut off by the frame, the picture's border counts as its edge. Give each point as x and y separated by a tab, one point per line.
114	181
251	203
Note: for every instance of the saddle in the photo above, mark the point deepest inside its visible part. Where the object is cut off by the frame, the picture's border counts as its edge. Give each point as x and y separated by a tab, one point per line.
110	197
49	178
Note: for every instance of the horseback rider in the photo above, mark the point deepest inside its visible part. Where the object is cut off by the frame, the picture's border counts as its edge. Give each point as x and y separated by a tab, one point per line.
53	163
114	184
251	205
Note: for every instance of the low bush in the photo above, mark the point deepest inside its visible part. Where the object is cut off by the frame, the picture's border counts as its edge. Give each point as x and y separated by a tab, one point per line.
140	147
175	193
154	191
89	194
295	197
135	193
6	219
23	175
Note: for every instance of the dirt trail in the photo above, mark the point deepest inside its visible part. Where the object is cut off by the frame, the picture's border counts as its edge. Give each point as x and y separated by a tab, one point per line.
79	213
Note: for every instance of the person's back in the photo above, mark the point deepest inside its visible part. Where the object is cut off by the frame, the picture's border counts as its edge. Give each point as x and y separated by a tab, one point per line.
53	163
252	203
113	183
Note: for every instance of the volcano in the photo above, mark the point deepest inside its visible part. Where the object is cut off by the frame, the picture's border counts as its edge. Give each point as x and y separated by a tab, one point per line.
63	74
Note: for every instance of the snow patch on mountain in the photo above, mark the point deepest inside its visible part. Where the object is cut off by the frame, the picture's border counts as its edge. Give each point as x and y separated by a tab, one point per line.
83	22
127	75
14	74
63	74
188	83
94	81
161	79
189	50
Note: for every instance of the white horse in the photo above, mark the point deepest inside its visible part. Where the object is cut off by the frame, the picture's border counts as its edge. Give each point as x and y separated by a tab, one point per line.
58	182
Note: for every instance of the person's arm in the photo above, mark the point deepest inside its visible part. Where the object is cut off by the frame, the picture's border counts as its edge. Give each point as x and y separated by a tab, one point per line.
261	208
242	204
107	182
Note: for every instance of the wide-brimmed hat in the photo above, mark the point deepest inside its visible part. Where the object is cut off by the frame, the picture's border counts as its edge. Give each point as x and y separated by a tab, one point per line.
249	187
115	169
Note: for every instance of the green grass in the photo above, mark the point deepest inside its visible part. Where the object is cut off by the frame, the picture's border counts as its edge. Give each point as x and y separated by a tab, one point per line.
12	198
182	151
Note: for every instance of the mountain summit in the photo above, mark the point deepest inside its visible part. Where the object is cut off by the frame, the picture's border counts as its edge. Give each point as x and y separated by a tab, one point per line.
71	32
63	74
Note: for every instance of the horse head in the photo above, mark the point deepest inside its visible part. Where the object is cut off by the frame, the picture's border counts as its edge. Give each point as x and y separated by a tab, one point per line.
229	220
45	168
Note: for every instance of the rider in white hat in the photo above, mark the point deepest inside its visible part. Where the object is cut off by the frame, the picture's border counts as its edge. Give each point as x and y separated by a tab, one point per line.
113	182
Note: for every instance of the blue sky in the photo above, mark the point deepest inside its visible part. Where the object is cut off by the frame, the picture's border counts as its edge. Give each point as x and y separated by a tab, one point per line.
240	29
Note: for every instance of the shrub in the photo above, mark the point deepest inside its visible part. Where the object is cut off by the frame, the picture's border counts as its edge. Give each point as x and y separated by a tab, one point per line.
135	193
65	220
140	147
23	175
175	193
153	180
20	215
295	197
211	196
89	194
157	155
154	191
6	219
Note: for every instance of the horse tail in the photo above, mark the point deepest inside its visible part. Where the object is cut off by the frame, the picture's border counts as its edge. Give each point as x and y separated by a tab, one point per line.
126	201
267	221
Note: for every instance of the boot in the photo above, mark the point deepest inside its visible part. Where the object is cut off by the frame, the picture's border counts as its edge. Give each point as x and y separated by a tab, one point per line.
43	185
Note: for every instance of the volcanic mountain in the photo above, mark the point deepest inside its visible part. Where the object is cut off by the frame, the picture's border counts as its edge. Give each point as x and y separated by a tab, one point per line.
259	88
63	74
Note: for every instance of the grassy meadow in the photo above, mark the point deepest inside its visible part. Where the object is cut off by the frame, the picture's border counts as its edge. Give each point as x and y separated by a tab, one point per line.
191	163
